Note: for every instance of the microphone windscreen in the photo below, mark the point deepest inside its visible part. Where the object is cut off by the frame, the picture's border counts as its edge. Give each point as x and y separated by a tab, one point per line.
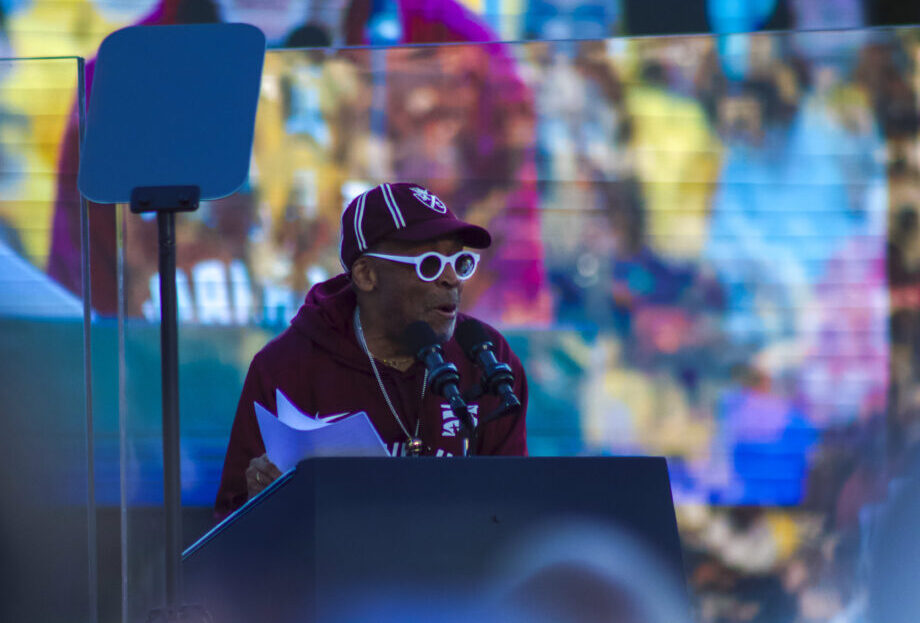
469	334
418	336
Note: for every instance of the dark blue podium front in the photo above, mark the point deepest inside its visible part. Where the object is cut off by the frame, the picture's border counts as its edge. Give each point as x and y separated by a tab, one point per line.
335	528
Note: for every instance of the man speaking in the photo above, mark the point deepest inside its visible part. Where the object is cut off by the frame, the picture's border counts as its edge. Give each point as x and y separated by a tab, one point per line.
405	261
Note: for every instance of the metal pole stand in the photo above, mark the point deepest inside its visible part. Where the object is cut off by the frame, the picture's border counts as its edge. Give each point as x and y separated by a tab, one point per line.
165	201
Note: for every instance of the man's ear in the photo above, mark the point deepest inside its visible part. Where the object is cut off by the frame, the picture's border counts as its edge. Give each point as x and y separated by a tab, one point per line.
364	275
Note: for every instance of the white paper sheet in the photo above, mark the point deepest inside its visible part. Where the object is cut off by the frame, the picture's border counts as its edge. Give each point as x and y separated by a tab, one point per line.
299	436
291	415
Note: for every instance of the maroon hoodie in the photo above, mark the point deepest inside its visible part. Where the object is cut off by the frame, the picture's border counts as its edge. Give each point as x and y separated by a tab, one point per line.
319	365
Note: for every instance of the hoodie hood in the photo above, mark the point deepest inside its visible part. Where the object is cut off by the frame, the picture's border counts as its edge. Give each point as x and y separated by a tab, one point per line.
326	318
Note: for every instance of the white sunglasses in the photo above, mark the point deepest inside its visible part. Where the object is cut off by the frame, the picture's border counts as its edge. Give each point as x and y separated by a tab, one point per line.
430	265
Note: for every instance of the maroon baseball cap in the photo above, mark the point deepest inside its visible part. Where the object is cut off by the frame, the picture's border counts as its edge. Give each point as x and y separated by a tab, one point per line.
401	211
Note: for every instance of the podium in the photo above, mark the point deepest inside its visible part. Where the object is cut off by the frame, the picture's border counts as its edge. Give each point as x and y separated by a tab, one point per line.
335	529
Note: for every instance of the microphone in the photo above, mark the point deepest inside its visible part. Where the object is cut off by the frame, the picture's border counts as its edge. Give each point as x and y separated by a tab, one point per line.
497	377
443	376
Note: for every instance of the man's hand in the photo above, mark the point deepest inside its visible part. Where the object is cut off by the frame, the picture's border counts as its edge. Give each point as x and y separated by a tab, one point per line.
260	473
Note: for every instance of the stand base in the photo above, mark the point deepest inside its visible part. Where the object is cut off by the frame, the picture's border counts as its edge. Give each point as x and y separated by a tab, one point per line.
183	614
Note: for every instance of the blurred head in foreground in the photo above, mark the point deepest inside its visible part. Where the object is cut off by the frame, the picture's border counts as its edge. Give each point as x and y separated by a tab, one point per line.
585	572
569	571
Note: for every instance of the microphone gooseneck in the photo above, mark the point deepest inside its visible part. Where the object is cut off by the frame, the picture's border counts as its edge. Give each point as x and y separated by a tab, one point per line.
423	344
497	377
443	377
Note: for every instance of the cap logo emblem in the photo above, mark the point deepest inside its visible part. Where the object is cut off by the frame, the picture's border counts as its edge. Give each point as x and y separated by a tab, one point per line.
429	200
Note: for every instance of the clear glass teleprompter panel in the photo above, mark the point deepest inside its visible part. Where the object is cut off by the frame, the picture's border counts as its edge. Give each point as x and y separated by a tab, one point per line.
47	514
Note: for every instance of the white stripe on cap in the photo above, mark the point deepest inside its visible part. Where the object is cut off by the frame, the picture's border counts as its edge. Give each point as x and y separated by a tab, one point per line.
391	203
341	249
359	220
